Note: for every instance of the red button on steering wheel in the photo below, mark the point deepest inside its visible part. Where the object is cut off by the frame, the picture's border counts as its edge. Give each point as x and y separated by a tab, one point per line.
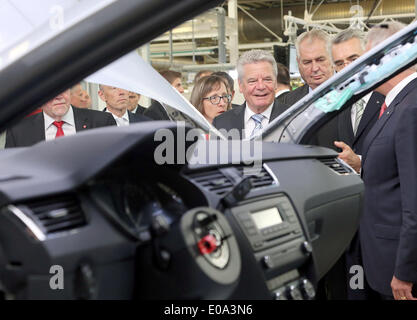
207	244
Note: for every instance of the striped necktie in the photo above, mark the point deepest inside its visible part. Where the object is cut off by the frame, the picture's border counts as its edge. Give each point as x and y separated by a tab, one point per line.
359	108
257	118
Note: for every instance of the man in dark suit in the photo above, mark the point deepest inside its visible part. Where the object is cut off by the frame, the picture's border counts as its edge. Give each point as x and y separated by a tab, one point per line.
134	105
58	118
389	170
348	130
388	228
117	103
314	64
257	78
354	123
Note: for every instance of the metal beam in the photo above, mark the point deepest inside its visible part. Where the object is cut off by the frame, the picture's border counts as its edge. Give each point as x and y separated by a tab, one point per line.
234	34
221	38
261	24
318	6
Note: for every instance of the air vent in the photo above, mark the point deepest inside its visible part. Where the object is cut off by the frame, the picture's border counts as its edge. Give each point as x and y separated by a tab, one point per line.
213	181
259	179
336	165
58	214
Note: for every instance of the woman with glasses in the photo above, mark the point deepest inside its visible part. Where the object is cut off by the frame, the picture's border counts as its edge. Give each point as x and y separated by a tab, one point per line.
211	97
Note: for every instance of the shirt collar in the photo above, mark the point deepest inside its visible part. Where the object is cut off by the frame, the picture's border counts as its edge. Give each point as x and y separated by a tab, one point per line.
249	113
397	89
68	118
125	116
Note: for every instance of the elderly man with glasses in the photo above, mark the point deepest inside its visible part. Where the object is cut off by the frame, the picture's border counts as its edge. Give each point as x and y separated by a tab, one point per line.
257	78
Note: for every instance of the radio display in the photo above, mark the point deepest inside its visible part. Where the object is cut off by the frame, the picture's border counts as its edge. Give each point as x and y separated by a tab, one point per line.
266	218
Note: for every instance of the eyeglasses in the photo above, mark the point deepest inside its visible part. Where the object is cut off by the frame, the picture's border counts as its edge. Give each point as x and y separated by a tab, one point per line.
342	63
216	99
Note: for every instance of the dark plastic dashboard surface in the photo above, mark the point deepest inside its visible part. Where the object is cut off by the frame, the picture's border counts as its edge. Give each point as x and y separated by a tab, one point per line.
103	209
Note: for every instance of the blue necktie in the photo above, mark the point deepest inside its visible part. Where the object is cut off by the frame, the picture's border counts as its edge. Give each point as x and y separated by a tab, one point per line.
258	123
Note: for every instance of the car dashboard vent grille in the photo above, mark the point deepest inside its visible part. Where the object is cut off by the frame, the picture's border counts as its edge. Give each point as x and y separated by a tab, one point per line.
212	181
57	214
259	179
220	182
337	165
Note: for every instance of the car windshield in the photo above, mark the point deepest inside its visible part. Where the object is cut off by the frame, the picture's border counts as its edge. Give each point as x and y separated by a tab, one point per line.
36	24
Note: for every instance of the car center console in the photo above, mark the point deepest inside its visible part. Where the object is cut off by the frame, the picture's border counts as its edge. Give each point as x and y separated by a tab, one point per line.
278	243
124	227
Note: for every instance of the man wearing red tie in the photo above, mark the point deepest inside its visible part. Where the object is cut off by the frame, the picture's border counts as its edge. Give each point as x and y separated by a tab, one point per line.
388	226
58	118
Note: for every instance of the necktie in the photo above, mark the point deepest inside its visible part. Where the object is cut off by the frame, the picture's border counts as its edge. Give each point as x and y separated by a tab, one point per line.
59	131
383	108
359	108
257	118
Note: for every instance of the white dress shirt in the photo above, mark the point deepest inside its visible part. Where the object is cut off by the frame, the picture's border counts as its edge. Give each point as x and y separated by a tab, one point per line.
68	126
250	124
397	89
120	121
394	92
353	109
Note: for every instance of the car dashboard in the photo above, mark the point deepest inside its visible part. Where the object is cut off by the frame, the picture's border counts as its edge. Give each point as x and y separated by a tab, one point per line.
121	226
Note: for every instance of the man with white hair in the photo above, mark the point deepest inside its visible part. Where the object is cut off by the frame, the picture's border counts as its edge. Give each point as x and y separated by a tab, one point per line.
257	78
58	118
314	63
388	226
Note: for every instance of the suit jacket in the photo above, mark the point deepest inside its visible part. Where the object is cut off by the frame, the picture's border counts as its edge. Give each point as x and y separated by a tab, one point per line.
156	111
140	110
289	98
235	118
369	117
31	130
137	117
325	136
388	226
340	127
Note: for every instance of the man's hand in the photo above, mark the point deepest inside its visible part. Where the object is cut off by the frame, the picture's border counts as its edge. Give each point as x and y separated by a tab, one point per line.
401	290
348	156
